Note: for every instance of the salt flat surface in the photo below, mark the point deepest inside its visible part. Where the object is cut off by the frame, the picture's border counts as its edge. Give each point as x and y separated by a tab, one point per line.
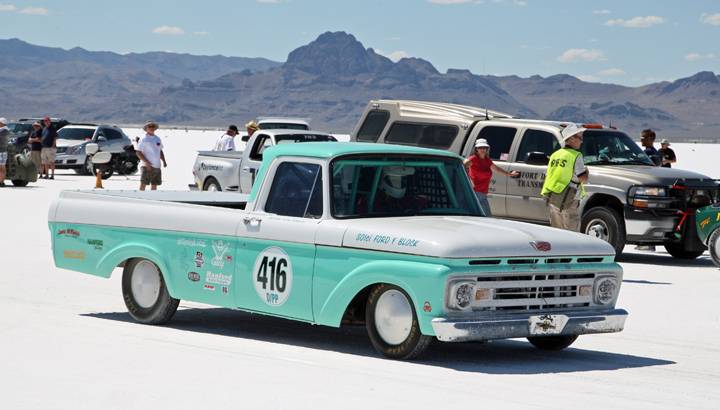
68	342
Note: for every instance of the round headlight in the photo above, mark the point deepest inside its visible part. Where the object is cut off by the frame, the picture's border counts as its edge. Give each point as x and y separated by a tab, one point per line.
462	295
605	290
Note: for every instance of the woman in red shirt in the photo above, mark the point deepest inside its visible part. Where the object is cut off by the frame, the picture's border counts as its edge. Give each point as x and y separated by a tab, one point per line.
480	169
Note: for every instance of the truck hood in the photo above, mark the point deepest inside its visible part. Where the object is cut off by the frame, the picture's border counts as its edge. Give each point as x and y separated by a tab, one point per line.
640	174
467	237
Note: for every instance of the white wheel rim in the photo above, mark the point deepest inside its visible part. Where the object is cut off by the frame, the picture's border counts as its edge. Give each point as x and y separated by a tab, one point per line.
212	187
145	284
597	228
393	317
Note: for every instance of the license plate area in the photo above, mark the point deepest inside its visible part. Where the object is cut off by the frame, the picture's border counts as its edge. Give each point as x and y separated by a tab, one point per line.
547	324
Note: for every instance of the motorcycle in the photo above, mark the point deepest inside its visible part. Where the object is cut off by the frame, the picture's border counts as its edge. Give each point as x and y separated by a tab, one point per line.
122	163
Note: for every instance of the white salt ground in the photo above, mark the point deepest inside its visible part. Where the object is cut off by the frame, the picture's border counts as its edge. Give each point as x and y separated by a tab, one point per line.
67	341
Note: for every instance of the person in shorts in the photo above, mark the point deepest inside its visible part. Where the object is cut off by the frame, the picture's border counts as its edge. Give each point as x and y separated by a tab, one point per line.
35	141
4	134
150	152
48	150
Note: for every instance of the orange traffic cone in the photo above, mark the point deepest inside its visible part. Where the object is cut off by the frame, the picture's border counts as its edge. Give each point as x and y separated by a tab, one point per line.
98	179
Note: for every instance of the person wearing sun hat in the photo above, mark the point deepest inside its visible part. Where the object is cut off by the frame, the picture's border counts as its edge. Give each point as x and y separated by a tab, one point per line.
565	176
667	155
480	169
251	127
150	152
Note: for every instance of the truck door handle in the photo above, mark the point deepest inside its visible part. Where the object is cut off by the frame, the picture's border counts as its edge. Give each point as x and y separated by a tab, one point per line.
250	219
246	169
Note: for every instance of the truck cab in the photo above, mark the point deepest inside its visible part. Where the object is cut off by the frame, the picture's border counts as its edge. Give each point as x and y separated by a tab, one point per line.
629	201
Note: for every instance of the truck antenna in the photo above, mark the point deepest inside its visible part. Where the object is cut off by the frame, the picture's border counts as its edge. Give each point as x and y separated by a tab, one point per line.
487	117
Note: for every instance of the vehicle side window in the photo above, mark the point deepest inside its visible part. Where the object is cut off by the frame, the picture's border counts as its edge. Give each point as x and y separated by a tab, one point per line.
537	141
422	135
373	126
296	191
500	140
112	134
262	142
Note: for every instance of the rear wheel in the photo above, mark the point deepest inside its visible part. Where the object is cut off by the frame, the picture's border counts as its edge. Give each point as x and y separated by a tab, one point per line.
211	184
392	324
714	246
145	294
677	251
553	343
605	224
19	182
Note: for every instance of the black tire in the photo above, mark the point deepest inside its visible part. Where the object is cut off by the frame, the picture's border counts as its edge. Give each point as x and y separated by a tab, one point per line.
606	224
677	251
552	343
107	173
714	246
415	342
211	182
19	182
164	306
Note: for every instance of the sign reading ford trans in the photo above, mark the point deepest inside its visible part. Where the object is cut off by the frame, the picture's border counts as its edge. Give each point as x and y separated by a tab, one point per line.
390	236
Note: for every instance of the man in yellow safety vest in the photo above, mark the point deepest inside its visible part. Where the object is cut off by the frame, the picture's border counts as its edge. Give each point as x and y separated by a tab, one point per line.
566	174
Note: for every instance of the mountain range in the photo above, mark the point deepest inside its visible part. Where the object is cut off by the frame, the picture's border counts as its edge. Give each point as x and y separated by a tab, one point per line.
329	80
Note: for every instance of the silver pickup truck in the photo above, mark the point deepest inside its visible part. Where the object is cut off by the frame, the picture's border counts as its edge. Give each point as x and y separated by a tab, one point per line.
236	170
629	200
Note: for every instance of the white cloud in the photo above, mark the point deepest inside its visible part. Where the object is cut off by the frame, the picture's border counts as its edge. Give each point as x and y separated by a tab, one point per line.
712	19
698	56
574	55
7	7
636	22
35	11
612	72
601	12
200	33
168	31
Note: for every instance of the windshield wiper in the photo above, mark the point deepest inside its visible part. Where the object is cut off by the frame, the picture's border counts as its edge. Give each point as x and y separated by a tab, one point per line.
600	162
635	162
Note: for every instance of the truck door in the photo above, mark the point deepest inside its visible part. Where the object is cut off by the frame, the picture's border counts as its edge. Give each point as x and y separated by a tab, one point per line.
523	194
276	258
252	160
500	139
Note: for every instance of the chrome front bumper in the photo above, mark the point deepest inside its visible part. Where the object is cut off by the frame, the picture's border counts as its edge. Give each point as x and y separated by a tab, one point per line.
526	325
70	161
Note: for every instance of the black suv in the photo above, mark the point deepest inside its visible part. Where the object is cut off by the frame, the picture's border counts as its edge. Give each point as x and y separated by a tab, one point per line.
20	130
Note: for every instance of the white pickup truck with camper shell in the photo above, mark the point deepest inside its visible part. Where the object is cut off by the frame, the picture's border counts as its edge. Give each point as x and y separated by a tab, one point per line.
236	170
342	233
629	201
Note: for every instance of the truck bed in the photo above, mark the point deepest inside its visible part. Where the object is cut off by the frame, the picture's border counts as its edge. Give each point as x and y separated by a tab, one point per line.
219	199
222	154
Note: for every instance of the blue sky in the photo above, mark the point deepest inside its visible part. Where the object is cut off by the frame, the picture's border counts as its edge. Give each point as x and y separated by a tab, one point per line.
628	42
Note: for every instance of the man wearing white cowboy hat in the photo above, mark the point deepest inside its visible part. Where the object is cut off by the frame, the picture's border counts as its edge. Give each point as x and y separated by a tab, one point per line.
666	154
150	153
480	168
566	174
4	134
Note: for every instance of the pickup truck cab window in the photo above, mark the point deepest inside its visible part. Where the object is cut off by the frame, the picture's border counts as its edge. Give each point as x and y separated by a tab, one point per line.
282	126
536	141
262	142
500	140
296	191
438	136
370	186
373	126
293	138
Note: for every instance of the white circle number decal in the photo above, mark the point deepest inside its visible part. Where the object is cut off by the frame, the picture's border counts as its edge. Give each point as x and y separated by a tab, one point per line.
273	276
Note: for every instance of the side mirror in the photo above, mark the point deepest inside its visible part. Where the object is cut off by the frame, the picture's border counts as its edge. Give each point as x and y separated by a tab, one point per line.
91	148
536	158
245	138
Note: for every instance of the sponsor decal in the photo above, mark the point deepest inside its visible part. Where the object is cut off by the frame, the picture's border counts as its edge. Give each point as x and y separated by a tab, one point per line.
97	244
718	217
210	167
194	276
199	260
228	258
218	278
69	232
705	222
387	240
541	246
427	307
273	276
225	290
73	254
220	248
193	243
211	288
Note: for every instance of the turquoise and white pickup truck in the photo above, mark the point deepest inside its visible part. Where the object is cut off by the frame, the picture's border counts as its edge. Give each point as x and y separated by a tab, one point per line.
335	233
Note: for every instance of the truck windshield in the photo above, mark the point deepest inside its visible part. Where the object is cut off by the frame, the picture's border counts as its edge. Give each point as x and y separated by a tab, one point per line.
603	147
398	185
76	133
290	138
282	126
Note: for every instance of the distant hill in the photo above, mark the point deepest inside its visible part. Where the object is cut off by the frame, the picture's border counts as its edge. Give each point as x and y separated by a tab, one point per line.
329	80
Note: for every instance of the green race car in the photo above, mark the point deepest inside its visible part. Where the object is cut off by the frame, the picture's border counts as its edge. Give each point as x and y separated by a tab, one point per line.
708	226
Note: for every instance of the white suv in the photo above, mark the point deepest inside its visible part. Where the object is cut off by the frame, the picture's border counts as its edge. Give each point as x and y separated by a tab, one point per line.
72	140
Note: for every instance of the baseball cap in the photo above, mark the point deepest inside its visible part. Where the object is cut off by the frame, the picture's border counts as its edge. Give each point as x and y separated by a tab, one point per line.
571	130
481	143
46	118
233	128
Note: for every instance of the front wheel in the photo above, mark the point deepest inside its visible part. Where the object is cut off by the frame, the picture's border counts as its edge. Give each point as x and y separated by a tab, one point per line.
553	343
19	182
677	251
145	294
714	246
605	224
392	323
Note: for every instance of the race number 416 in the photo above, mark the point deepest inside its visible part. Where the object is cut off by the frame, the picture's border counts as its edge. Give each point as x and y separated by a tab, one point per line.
273	276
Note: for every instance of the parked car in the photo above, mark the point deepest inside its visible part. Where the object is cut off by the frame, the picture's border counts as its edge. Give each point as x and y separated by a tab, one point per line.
236	170
336	233
708	227
20	131
629	200
73	138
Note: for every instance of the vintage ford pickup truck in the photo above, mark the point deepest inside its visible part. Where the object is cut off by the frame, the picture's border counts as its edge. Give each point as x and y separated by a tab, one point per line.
708	228
335	233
